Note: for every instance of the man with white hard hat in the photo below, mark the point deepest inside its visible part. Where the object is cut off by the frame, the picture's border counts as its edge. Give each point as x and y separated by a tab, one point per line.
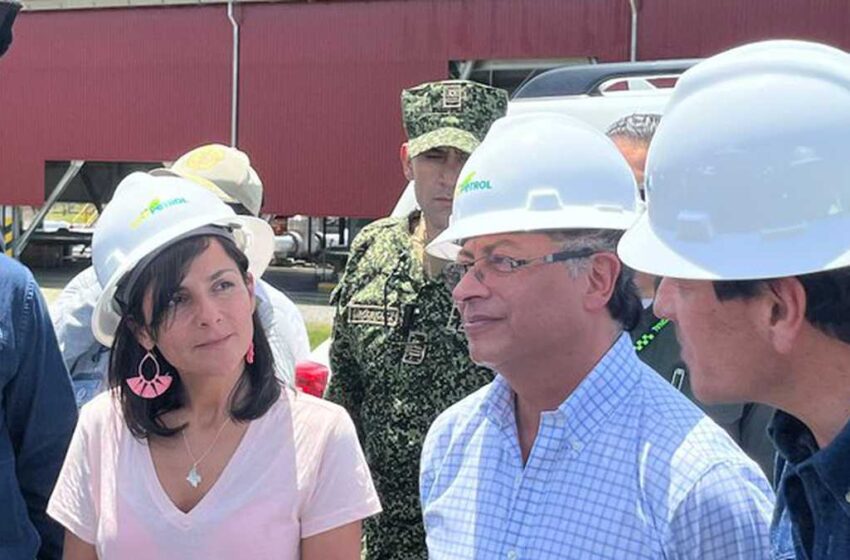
655	338
228	173
576	449
748	187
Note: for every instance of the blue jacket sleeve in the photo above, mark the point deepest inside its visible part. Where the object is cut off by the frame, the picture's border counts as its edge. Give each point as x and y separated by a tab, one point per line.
40	413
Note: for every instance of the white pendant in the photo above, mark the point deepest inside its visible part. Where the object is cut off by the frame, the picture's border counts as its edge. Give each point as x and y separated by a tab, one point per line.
194	478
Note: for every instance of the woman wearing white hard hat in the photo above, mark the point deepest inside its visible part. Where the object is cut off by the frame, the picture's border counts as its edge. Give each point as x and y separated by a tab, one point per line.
198	451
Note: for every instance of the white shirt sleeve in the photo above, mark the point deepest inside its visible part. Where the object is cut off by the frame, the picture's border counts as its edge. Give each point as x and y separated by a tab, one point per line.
285	330
343	491
71	314
73	503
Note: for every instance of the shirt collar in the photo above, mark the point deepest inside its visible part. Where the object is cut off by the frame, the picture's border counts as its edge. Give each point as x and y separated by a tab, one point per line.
499	402
588	407
797	445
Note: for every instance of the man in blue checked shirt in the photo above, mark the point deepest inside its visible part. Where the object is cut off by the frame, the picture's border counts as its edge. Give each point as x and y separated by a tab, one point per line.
577	449
755	255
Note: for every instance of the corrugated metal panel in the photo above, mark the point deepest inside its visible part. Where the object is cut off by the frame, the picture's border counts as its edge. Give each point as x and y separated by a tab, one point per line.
320	91
110	85
696	28
320	84
42	5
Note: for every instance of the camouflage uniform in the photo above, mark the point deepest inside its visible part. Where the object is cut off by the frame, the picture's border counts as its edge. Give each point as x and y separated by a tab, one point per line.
398	355
395	378
656	344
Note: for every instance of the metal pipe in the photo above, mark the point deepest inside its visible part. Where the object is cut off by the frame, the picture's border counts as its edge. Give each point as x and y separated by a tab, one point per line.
73	168
633	45
234	96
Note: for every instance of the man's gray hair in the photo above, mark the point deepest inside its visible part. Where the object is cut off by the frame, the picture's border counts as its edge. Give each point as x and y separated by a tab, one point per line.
640	127
600	240
624	305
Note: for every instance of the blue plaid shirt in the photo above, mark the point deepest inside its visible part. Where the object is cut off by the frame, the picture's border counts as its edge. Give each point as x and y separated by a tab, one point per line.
626	467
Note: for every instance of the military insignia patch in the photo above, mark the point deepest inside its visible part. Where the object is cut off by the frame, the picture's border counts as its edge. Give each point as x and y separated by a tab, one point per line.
454	324
415	348
452	96
373	315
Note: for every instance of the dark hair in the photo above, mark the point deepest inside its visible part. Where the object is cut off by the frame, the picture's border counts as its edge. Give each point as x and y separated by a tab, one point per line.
737	289
624	305
827	298
255	392
638	126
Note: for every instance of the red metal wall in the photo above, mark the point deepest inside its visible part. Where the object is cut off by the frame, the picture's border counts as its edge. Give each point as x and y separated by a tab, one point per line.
698	28
122	85
320	82
320	85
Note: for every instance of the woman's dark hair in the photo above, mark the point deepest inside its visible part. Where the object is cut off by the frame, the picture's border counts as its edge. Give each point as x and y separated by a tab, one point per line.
827	298
255	392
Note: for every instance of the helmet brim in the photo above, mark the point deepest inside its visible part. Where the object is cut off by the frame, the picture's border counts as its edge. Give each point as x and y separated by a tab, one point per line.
448	244
446	137
743	256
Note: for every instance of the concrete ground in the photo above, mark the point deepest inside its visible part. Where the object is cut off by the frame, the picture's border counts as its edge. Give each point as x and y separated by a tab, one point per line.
300	283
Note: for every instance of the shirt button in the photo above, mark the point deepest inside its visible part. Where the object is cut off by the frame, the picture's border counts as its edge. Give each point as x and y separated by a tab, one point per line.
512	555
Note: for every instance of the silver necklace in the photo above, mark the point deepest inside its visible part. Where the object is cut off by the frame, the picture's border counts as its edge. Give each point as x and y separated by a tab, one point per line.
194	477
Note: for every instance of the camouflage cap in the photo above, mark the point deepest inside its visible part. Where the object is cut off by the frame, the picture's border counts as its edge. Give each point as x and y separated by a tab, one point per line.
454	113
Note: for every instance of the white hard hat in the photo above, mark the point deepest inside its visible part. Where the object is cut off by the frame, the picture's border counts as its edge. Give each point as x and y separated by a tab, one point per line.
748	176
539	171
224	170
147	214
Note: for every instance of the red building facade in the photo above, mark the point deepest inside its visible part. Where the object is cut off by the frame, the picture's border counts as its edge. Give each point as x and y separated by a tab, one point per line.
319	82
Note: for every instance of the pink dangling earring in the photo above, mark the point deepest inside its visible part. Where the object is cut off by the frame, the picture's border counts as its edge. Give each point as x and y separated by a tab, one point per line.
249	356
149	388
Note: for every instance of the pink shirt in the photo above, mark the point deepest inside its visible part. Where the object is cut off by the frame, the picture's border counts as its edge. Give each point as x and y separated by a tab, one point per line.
298	471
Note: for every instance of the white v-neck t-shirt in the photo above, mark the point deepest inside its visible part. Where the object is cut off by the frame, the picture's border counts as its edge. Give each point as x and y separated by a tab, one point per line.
298	471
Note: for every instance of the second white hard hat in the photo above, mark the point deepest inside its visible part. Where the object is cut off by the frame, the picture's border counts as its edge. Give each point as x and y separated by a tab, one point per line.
539	171
748	176
224	170
148	213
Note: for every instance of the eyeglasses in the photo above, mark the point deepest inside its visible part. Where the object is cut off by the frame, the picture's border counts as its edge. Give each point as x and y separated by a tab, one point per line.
453	273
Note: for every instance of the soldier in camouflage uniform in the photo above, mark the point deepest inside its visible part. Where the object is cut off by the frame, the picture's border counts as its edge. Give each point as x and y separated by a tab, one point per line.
398	355
655	339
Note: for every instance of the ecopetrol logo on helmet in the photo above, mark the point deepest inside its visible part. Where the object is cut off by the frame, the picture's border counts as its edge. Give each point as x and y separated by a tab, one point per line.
155	206
519	181
468	185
